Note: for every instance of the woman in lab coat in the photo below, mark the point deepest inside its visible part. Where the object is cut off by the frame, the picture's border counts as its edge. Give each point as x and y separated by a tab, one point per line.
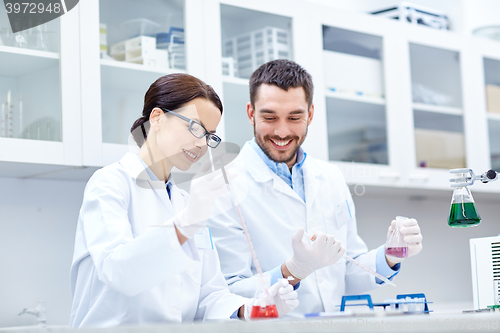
142	254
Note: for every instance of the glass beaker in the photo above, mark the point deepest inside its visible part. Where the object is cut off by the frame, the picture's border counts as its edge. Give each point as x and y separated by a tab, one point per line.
263	305
396	248
463	210
20	39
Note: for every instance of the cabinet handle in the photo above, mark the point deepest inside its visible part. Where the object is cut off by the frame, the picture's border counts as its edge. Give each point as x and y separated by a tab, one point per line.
419	177
389	175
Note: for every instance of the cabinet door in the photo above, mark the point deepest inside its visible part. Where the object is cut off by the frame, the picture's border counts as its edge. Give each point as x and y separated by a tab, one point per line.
492	92
250	37
440	134
437	107
355	96
39	96
360	93
129	45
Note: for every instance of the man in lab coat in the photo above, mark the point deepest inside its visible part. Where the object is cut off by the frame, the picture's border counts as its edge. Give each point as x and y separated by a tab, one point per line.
288	191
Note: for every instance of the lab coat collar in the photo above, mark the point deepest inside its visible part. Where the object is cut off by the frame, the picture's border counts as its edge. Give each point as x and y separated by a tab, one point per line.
259	170
135	168
261	173
313	178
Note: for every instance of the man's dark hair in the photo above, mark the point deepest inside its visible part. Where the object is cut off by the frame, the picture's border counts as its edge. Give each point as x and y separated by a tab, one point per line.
283	74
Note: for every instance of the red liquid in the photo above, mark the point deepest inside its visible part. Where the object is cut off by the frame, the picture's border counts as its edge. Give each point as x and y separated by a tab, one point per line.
269	311
398	252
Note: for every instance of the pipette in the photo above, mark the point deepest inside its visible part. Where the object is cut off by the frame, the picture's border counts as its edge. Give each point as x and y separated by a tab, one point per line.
357	263
243	225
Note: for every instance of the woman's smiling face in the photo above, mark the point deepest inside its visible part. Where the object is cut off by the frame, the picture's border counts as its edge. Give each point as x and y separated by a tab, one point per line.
174	142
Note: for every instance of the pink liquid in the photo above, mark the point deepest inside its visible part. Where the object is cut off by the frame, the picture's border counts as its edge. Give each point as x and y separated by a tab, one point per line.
398	252
269	311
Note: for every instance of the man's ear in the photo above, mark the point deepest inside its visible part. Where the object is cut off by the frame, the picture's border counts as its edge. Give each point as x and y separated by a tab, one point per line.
310	114
250	113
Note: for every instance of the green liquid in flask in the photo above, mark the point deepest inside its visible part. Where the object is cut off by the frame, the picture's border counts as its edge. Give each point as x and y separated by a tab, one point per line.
463	215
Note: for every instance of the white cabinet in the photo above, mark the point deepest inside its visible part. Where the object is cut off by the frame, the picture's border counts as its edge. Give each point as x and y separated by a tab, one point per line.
40	129
396	105
114	84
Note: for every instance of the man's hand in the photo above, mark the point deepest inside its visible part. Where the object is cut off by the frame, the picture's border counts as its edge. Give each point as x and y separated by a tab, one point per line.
307	258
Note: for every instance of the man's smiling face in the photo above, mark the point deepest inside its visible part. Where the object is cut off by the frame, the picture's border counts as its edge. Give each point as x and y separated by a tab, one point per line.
280	119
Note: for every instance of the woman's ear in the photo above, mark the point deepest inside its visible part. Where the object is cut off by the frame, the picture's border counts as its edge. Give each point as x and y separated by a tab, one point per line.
155	119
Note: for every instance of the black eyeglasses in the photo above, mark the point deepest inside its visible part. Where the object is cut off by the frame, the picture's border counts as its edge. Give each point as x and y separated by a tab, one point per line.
198	130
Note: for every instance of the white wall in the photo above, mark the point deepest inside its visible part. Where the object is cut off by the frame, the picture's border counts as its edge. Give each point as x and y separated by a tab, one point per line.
480	13
37	230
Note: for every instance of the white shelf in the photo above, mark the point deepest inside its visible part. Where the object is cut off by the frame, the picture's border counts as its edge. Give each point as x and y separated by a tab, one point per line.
235	80
128	76
355	98
17	62
494	116
437	109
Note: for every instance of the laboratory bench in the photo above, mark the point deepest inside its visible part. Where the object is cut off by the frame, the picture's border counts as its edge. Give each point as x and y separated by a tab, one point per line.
375	322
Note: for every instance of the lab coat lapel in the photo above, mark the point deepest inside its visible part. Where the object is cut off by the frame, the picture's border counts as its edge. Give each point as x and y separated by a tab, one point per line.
136	170
312	182
262	173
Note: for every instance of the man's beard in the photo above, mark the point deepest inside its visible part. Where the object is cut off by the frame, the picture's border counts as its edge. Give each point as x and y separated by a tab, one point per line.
267	150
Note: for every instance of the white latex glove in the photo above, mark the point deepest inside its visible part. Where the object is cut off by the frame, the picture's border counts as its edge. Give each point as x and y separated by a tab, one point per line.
204	191
412	236
307	257
283	296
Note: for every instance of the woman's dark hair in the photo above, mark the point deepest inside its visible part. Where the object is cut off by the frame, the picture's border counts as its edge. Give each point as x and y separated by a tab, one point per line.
283	74
171	92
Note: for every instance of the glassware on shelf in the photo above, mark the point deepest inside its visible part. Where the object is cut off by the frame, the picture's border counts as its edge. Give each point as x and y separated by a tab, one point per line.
396	247
45	129
20	39
37	38
7	117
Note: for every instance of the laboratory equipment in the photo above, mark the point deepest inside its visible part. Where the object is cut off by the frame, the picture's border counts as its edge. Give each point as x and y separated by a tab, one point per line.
357	263
466	177
39	38
484	256
39	312
20	39
7	117
404	303
463	211
415	14
396	248
263	305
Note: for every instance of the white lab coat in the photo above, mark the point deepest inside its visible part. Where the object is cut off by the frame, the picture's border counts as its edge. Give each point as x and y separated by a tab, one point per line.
128	271
272	212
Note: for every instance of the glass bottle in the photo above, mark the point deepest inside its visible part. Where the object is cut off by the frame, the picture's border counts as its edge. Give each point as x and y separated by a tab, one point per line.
263	306
463	210
396	248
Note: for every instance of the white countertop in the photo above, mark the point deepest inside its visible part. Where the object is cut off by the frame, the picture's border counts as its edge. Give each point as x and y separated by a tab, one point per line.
377	322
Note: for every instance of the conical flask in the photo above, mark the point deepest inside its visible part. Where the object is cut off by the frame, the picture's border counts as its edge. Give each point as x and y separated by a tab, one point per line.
463	210
263	306
396	249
